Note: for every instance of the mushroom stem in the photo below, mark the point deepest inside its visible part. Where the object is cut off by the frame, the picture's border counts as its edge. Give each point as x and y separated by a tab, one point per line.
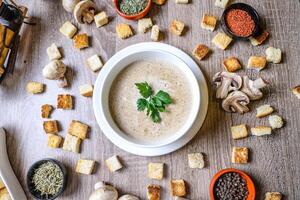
240	107
222	91
259	83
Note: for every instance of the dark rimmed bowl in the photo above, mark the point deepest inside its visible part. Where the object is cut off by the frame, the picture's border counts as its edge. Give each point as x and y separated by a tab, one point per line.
251	11
246	177
30	173
137	16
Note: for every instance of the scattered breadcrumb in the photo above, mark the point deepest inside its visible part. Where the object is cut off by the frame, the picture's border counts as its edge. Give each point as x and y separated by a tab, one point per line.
264	110
53	52
221	40
54	141
153	192
273	196
239	131
50	126
85	166
68	29
86	90
94	63
72	143
101	19
65	101
46	110
261	130
33	87
196	160
113	163
273	55
156	171
275	121
200	51
257	62
296	91
178	188
209	22
232	64
124	31
221	3
177	27
81	41
181	1
144	25
258	40
155	33
240	155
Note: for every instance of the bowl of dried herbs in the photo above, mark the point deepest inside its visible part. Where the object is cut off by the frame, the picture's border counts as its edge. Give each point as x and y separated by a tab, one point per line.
132	9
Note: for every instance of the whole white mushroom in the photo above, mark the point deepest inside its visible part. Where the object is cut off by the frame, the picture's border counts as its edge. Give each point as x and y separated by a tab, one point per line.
128	197
104	192
69	5
54	70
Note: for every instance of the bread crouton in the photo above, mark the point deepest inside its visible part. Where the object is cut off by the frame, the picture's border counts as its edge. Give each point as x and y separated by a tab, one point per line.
156	171
72	143
209	22
1	71
177	27
81	41
200	51
1	185
273	196
221	40
68	29
261	130
275	121
155	33
144	25
257	62
240	155
53	52
258	40
54	141
65	101
46	110
264	110
153	192
178	188
4	194
181	1
86	90
34	87
239	131
232	64
94	63
296	91
85	166
113	163
196	160
50	126
101	19
124	31
78	129
273	55
221	3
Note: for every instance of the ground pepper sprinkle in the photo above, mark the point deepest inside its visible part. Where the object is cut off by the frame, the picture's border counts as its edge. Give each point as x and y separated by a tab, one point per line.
240	22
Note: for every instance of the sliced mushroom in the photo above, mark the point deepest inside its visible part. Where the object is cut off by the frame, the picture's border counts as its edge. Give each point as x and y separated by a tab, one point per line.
226	82
128	197
69	5
236	101
54	70
84	11
252	88
104	192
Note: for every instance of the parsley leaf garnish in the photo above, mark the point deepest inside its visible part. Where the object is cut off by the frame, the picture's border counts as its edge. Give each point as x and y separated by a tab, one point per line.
152	104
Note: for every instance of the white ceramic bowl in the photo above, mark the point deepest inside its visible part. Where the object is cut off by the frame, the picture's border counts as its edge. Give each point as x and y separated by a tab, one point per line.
102	89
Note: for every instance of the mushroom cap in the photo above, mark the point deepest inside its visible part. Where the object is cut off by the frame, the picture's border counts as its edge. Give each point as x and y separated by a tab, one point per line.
252	88
128	197
82	7
104	192
236	101
54	70
226	82
69	5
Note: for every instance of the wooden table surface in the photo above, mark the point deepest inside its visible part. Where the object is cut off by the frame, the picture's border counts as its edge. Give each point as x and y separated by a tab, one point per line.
275	159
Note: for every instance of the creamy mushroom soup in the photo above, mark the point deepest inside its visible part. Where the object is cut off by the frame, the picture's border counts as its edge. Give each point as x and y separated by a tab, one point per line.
160	75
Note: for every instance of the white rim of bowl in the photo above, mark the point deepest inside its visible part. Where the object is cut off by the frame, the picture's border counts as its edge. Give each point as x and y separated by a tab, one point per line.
115	134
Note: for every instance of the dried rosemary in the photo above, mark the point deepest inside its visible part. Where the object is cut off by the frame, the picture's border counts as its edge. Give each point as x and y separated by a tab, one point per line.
48	179
132	7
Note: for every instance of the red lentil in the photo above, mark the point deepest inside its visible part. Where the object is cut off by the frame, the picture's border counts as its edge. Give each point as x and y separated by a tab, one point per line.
240	22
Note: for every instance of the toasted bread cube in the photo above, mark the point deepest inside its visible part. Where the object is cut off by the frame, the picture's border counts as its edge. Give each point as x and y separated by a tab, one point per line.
261	130
54	141
144	25
86	90
232	64
78	129
239	131
200	51
85	166
264	110
156	171
34	87
273	196
81	41
155	33
46	110
94	63
1	185
296	91
124	31
275	121
177	27
72	143
221	40
53	52
113	163
153	192
209	22
68	29
196	160
101	19
4	194
258	40
257	62
240	155
50	127
159	2
65	101
221	3
182	1
178	188
273	55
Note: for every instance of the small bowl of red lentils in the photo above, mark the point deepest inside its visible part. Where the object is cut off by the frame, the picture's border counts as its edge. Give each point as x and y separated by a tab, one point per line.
241	21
